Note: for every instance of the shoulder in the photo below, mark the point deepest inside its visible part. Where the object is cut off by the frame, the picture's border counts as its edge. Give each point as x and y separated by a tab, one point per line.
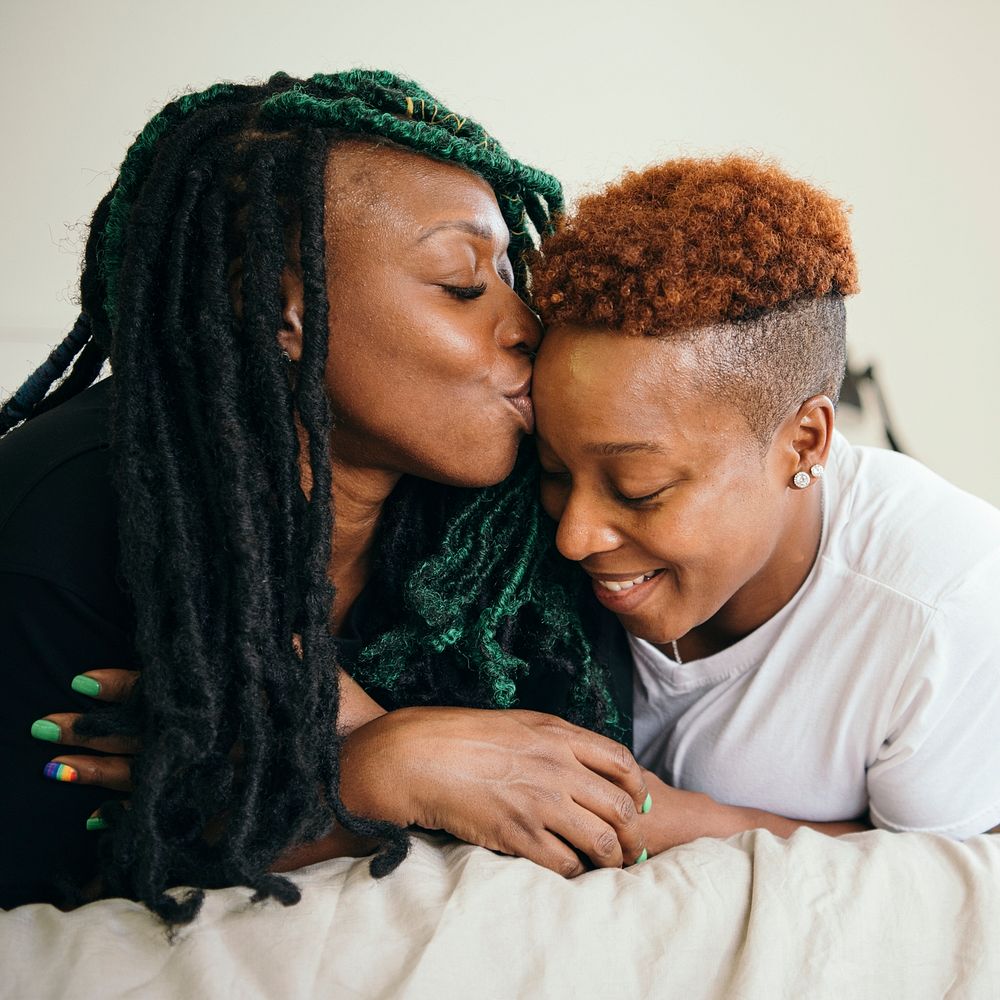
906	530
58	506
32	454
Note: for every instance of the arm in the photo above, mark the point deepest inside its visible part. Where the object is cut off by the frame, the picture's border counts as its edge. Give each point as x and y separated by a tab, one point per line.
682	816
519	782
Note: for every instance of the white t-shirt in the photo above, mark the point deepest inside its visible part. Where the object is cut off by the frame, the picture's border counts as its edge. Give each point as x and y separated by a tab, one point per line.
877	687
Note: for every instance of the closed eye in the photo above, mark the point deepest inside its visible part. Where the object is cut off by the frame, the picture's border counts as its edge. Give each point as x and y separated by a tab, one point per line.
465	291
639	501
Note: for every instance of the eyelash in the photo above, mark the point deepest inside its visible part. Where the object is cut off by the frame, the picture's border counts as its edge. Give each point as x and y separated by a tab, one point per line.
563	477
465	292
639	501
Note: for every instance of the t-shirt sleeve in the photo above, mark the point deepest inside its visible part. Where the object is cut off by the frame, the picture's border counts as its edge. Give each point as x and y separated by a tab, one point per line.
938	770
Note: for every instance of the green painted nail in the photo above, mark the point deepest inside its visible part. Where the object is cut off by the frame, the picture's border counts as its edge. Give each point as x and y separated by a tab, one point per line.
96	823
642	857
648	804
45	730
86	685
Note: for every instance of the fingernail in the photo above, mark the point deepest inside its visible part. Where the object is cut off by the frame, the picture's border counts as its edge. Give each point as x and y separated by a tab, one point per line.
86	685
45	730
648	804
642	857
60	772
95	822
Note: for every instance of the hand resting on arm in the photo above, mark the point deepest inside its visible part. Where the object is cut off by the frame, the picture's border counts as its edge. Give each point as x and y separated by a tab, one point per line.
523	783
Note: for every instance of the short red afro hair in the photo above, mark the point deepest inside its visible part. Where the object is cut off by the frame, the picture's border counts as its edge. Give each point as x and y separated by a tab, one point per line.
693	242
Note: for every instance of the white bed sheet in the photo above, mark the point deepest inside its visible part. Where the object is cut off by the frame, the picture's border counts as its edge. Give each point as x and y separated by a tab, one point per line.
875	915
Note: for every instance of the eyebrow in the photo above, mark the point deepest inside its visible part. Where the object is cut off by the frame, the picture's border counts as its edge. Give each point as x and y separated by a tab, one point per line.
463	225
611	449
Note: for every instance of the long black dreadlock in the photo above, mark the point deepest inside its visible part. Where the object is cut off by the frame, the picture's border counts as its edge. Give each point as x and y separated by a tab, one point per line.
223	555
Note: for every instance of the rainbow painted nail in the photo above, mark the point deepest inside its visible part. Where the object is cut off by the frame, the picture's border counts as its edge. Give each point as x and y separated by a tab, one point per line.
648	804
642	857
60	772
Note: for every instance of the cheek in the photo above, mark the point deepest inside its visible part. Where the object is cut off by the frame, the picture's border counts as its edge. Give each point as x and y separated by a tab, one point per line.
736	533
698	531
553	499
420	391
676	533
405	356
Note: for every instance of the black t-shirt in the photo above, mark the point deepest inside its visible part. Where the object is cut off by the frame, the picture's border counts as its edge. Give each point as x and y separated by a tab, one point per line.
61	613
64	611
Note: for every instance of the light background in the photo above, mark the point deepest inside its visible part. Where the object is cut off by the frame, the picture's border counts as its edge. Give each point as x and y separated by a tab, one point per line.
889	104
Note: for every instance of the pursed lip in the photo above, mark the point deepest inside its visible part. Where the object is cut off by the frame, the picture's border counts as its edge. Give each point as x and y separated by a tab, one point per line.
524	389
520	399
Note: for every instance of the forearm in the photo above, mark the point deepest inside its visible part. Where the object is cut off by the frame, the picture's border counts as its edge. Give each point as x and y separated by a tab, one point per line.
737	819
338	843
679	816
356	709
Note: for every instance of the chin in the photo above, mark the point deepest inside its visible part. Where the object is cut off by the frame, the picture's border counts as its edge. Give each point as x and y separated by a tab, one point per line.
655	628
488	471
655	634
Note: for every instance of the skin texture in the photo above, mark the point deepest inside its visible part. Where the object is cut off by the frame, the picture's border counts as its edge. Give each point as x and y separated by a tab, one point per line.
428	345
419	374
733	538
647	471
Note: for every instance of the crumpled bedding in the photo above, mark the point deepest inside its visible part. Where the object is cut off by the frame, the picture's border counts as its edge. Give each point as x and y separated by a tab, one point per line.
874	914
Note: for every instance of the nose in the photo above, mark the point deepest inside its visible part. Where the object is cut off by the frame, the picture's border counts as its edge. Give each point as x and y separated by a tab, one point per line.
583	531
518	327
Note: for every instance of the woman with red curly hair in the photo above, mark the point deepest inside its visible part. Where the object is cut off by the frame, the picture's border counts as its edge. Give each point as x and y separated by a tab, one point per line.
812	623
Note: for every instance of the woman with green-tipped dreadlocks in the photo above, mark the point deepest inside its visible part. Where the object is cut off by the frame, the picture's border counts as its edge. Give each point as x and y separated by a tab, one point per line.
312	296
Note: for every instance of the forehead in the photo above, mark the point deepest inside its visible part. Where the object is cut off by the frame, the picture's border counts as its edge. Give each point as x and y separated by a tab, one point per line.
368	181
596	386
595	360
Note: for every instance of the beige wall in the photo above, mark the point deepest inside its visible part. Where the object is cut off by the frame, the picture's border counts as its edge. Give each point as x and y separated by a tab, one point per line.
891	104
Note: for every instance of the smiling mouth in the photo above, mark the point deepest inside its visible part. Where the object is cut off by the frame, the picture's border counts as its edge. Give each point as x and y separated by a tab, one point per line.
623	597
616	586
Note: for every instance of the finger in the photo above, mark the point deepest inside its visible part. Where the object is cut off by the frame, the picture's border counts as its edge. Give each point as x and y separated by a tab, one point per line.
615	807
58	728
550	852
613	761
107	772
590	835
108	684
97	820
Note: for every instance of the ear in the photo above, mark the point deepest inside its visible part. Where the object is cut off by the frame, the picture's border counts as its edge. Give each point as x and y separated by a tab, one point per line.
809	434
292	305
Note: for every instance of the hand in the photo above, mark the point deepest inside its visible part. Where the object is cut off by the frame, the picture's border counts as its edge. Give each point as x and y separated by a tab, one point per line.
113	685
113	771
519	782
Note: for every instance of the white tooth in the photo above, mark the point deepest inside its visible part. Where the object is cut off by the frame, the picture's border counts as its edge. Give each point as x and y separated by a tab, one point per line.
627	584
639	579
611	586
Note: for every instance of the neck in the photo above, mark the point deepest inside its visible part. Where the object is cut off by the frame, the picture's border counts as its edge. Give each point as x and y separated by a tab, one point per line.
358	497
777	582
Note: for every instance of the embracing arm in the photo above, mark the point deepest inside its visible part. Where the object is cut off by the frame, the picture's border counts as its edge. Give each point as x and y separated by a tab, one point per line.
519	782
682	816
